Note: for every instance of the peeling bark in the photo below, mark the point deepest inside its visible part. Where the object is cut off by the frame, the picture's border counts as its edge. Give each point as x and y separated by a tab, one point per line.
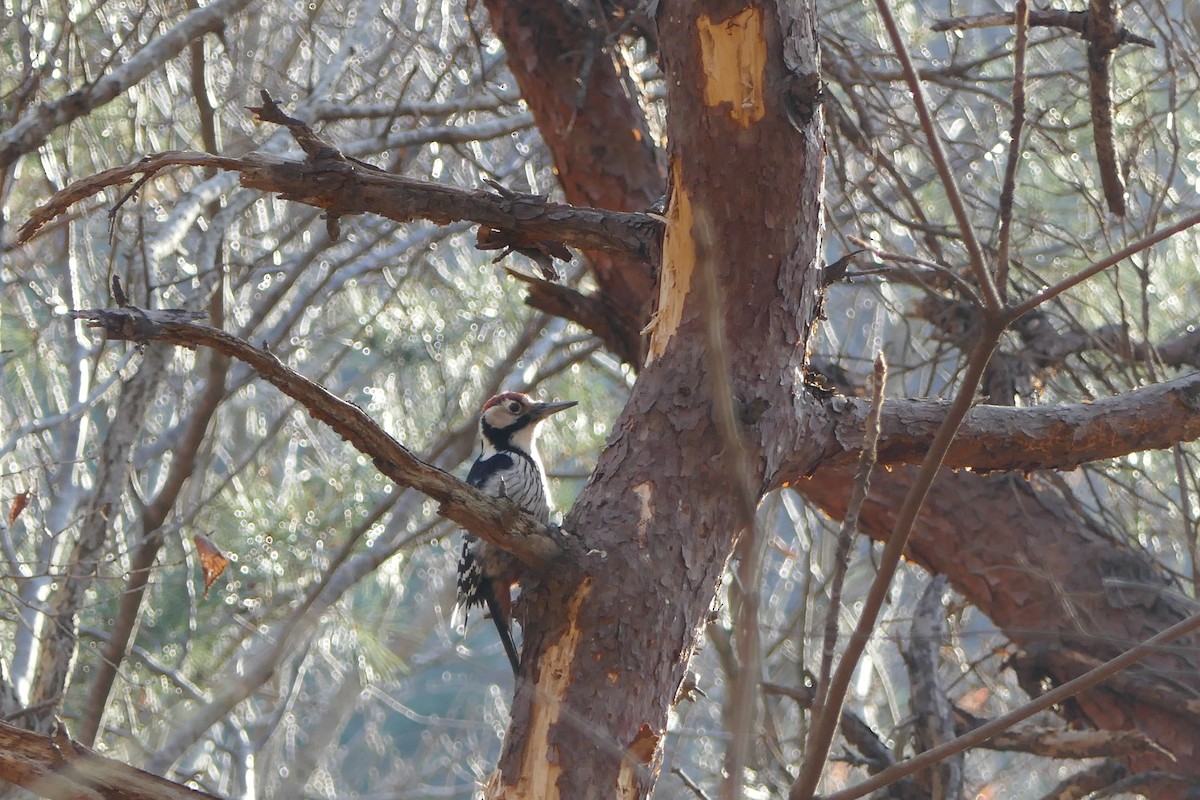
655	575
1002	537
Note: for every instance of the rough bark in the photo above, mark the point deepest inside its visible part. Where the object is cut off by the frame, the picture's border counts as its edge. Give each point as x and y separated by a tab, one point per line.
1007	438
572	81
60	769
662	511
342	187
1057	585
1048	531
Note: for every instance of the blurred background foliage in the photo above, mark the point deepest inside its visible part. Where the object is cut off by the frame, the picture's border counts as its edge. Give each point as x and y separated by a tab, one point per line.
325	647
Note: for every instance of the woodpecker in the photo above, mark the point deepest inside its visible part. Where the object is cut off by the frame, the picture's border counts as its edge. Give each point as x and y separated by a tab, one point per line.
508	466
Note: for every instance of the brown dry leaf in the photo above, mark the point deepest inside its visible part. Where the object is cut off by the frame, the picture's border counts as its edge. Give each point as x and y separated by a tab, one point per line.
974	701
18	505
212	562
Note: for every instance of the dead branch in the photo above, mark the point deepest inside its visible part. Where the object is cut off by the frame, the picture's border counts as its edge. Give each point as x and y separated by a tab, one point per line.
1044	18
588	310
1008	438
1086	781
59	768
329	180
1049	742
874	753
498	521
930	705
1103	35
1100	26
1057	695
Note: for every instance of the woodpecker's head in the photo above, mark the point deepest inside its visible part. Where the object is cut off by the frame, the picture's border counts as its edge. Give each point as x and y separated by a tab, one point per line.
510	420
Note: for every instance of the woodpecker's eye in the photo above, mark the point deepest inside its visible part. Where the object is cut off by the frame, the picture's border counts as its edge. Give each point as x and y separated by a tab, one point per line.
514	407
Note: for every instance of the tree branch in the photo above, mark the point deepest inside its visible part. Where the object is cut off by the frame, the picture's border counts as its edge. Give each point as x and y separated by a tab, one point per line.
1008	438
497	521
330	180
59	768
1050	698
933	722
343	187
588	310
29	132
1050	742
1038	18
1102	32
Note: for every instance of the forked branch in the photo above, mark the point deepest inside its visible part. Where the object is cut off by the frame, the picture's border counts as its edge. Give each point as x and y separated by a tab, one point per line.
342	185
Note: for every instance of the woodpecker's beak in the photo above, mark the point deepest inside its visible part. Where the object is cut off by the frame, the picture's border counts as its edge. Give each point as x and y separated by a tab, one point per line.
543	410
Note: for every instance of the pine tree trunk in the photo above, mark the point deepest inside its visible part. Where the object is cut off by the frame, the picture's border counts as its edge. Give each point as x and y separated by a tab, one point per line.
607	640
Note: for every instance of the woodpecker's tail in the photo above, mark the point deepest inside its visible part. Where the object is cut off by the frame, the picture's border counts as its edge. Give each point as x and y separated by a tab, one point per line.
500	617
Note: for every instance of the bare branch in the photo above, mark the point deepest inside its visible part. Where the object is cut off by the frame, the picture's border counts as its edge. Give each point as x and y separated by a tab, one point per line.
1014	149
497	521
588	310
1086	781
1144	243
820	735
1102	34
57	767
1038	18
1008	438
343	187
1061	743
31	130
1047	700
937	154
868	455
934	714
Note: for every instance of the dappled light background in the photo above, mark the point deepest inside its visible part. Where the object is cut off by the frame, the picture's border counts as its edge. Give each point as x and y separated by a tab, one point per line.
322	663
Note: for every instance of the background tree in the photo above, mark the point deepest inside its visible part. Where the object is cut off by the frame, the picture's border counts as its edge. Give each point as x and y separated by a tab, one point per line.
322	663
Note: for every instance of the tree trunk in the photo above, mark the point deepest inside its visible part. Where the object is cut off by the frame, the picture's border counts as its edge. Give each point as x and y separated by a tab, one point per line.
1034	538
607	641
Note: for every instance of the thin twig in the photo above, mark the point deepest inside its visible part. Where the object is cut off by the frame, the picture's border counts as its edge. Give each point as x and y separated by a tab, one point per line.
983	275
1021	309
689	783
820	736
1049	699
1014	148
1038	18
858	495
